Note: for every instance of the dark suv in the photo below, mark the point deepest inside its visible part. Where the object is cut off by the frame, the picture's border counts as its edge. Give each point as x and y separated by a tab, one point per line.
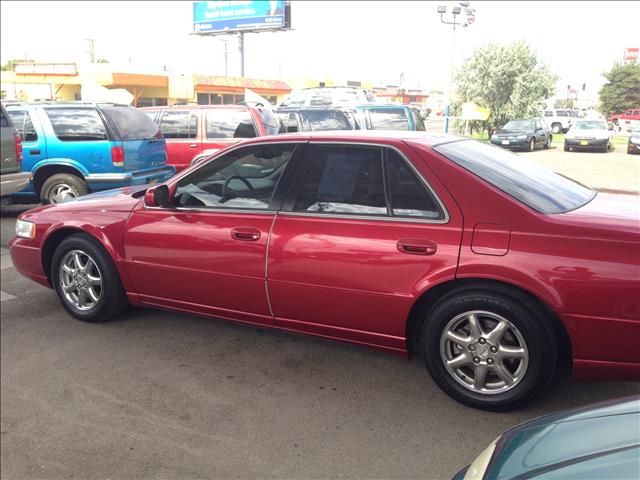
196	131
12	179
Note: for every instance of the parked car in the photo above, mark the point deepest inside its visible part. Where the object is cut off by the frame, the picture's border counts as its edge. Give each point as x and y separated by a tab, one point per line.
360	237
588	134
72	149
559	120
633	146
193	132
388	117
523	133
625	121
317	119
328	97
12	179
601	440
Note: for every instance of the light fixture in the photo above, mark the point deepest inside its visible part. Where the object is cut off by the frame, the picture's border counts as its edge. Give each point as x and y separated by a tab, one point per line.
442	9
456	10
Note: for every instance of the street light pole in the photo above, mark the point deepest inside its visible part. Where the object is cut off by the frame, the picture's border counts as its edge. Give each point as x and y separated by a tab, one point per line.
442	10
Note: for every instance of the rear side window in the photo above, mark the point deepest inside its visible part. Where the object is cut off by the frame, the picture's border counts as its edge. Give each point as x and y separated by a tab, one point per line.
409	195
178	124
22	122
388	119
131	123
342	179
228	123
75	125
528	182
324	120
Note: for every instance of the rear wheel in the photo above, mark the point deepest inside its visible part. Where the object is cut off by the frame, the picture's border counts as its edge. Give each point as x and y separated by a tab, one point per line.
62	187
487	350
86	280
547	144
556	128
567	147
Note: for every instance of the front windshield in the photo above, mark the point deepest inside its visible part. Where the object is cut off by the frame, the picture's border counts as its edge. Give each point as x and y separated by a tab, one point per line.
591	125
519	125
525	180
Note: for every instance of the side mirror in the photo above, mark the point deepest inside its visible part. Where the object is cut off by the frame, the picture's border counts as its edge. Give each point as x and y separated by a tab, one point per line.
157	196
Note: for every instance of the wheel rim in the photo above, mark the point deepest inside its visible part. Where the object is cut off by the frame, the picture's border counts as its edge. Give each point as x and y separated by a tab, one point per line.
80	280
484	352
62	193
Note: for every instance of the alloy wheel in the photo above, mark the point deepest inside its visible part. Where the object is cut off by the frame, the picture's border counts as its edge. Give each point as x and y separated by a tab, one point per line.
62	193
80	280
484	352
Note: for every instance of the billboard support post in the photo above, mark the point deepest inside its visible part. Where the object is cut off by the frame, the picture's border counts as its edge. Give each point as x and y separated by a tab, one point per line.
241	48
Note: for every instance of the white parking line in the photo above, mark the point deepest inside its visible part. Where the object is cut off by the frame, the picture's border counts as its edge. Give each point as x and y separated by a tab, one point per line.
6	296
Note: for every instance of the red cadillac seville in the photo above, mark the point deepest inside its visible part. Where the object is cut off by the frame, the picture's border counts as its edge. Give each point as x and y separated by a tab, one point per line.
493	268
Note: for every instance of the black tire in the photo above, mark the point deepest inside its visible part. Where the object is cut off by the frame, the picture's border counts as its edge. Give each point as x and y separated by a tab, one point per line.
113	300
566	148
524	316
556	128
547	144
75	185
532	145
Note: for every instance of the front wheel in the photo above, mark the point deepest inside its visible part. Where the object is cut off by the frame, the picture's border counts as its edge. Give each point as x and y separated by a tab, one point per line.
86	280
547	144
532	145
487	350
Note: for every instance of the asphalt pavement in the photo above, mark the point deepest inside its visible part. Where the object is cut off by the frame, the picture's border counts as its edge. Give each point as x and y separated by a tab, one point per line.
163	395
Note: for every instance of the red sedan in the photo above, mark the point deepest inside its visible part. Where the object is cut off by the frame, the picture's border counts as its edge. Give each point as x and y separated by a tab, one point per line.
493	268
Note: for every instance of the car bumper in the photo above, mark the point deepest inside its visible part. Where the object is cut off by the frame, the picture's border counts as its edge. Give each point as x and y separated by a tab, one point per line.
11	183
591	143
27	260
523	143
104	181
633	147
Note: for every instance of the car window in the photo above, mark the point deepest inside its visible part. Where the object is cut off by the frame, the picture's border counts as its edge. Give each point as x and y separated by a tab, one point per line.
548	114
270	121
229	123
324	120
388	119
151	115
562	114
21	120
525	180
591	125
409	196
131	123
244	178
178	124
341	179
417	117
519	125
76	124
538	125
4	120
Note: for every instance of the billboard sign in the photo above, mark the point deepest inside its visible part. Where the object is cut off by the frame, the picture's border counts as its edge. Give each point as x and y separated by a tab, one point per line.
236	16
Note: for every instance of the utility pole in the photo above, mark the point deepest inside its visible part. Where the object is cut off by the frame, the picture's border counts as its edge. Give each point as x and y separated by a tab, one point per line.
226	57
92	49
241	48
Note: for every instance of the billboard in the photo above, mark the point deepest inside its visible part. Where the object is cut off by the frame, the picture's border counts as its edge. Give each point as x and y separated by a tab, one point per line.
237	16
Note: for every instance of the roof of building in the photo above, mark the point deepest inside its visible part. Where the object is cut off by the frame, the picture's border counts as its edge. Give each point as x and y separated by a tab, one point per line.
241	82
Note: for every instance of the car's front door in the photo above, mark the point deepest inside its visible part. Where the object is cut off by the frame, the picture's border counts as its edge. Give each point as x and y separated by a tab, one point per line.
359	236
206	252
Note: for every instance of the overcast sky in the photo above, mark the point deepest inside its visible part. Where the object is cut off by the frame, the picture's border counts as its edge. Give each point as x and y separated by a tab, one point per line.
368	41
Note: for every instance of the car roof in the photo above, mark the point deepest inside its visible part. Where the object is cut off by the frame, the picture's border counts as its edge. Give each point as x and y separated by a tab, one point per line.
65	104
199	107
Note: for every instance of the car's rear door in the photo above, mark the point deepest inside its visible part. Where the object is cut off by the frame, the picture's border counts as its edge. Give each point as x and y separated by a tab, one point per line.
360	234
180	129
206	252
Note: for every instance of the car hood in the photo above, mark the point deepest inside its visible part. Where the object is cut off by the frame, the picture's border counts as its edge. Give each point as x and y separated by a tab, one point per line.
548	442
116	200
614	213
579	132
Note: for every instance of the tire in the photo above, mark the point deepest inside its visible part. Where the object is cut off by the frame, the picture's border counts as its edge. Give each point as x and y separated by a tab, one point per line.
106	300
567	148
547	144
556	128
526	333
62	187
532	145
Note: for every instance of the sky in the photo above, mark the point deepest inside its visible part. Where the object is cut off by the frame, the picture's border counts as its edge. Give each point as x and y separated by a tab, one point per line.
374	41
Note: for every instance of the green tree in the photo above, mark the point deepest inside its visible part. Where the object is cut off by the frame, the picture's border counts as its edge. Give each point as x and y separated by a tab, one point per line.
508	79
622	91
8	66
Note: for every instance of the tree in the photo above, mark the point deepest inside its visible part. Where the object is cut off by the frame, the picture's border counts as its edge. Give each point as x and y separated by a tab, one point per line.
102	60
508	79
622	91
7	67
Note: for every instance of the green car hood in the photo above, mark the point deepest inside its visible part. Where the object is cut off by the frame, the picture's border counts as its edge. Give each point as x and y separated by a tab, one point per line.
601	436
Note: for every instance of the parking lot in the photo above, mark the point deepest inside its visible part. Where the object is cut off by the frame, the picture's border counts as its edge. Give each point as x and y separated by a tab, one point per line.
165	395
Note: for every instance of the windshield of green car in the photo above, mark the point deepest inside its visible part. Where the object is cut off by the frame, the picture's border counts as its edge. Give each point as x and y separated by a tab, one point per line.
519	125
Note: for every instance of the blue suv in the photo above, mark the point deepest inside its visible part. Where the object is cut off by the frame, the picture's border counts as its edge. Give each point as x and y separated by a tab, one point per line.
75	148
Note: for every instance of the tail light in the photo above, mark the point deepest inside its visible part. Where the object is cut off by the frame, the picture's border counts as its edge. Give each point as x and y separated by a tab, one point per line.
18	140
117	156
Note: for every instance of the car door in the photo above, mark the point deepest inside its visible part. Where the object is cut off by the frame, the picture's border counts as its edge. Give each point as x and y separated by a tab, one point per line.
180	129
361	232
206	252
